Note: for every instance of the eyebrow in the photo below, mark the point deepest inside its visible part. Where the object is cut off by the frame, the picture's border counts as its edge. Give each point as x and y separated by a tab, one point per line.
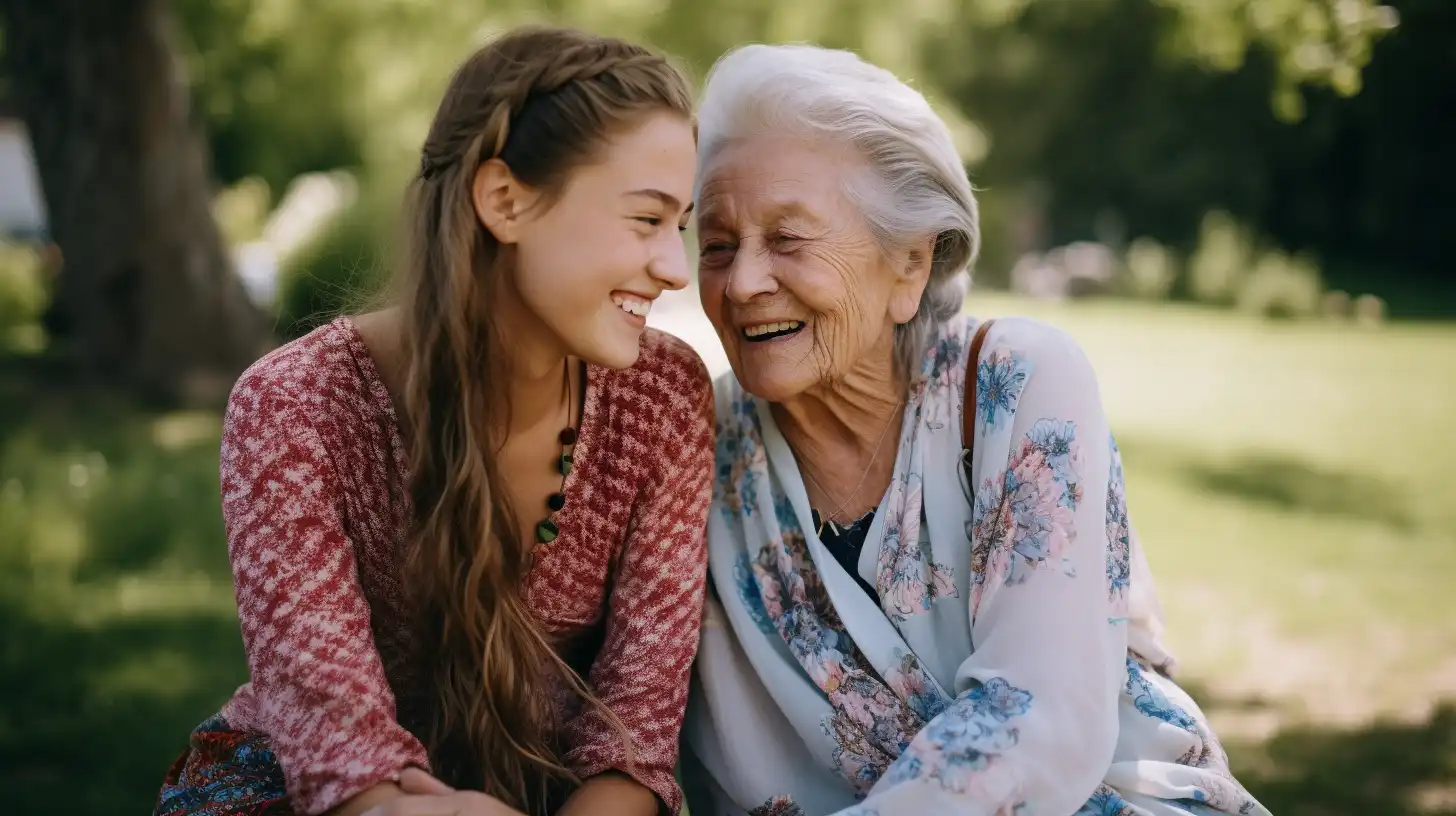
666	198
792	209
775	213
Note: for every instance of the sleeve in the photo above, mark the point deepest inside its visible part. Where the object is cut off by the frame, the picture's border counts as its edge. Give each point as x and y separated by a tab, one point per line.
317	678
655	610
1034	723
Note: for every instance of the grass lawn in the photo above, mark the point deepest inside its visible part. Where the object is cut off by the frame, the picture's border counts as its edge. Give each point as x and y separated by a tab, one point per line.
1290	483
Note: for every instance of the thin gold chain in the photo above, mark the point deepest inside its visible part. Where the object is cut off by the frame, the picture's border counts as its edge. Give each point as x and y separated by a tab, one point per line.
878	445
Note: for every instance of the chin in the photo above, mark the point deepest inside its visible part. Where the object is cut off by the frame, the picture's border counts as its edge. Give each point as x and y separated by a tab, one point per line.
622	358
770	386
608	344
614	354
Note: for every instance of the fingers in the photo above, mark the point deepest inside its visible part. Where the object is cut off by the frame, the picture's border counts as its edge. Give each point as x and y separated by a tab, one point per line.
417	781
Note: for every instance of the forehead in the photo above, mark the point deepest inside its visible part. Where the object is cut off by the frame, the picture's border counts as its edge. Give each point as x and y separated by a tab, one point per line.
658	154
767	179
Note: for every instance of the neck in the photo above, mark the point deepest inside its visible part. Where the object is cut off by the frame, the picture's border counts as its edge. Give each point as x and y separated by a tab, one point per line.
840	432
537	362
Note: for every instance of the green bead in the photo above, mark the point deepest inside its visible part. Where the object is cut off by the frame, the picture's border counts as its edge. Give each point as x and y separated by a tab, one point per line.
547	531
565	464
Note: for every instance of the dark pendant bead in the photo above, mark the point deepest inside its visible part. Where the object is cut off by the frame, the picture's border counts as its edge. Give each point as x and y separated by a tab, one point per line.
547	531
567	436
565	464
556	502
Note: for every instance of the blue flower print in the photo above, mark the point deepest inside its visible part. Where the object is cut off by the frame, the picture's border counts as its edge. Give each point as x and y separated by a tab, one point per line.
1105	802
966	738
999	379
739	459
1152	702
1057	441
748	592
1119	538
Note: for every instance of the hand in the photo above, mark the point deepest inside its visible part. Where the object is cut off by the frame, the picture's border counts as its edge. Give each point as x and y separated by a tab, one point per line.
424	795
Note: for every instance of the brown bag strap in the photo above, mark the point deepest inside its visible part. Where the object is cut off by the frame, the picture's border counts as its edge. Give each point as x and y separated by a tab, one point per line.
968	408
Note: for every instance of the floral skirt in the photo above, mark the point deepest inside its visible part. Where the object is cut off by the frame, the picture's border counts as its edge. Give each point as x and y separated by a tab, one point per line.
224	773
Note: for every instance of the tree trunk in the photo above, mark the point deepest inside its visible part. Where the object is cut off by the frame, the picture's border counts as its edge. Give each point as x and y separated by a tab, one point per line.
147	298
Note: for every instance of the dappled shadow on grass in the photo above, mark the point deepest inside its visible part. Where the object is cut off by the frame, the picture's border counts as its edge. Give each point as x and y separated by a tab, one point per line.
1279	481
1296	486
1308	769
92	717
117	634
1387	768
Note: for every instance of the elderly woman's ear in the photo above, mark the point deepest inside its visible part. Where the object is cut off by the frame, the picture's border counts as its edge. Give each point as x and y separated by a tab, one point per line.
912	273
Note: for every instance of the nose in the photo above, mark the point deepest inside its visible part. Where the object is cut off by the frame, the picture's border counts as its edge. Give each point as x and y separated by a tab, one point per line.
669	267
749	276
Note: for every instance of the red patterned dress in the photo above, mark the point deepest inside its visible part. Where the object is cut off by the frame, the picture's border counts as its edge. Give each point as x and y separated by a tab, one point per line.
314	498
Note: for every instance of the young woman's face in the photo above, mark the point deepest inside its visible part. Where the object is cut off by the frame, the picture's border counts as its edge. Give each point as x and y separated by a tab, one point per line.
590	265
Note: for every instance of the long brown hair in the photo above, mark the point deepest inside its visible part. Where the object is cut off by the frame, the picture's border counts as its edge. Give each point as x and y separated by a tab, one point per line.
544	101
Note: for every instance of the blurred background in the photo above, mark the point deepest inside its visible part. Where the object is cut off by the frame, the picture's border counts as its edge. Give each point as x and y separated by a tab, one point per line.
1242	208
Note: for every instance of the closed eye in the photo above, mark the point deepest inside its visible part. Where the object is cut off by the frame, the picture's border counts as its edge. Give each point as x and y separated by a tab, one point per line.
716	253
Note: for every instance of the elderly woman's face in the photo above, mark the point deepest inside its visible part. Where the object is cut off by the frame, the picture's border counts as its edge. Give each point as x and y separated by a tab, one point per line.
790	274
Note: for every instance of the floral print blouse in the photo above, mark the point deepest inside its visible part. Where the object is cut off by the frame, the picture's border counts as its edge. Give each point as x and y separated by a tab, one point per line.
1011	662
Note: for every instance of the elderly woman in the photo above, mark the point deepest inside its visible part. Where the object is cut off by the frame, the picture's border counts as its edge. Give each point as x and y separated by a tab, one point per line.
901	625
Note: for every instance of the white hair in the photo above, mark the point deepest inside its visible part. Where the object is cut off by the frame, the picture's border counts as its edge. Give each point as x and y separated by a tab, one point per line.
916	186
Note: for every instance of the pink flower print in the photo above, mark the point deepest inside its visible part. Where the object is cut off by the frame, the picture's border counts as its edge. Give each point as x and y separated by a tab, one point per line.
778	806
909	680
1025	519
907	579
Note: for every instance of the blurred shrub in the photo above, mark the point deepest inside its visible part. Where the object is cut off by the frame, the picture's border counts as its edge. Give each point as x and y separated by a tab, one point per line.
339	271
1335	305
1217	268
992	270
23	298
242	209
1282	286
1369	310
1150	270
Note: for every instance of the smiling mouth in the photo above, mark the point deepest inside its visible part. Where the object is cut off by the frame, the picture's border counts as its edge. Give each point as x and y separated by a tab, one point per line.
633	305
772	331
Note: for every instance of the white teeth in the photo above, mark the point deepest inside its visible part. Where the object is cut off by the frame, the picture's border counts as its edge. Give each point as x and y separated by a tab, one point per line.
633	305
771	328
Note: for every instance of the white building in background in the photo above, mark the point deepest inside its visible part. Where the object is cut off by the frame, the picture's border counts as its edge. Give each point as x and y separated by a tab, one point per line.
22	206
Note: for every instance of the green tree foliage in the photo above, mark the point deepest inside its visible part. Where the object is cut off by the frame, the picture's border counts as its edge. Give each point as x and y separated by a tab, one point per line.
1296	117
273	86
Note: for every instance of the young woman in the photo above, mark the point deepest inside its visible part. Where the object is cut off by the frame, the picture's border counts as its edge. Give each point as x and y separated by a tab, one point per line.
467	531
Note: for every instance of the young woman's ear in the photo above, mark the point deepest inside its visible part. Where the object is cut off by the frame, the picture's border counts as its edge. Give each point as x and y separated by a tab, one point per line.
499	200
